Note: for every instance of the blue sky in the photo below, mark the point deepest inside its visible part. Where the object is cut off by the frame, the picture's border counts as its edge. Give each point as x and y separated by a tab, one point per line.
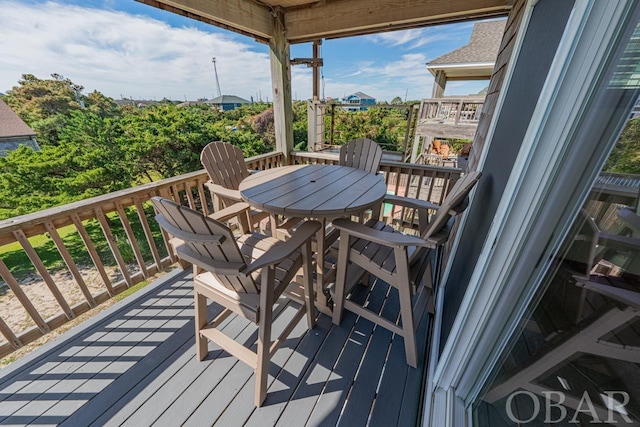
125	48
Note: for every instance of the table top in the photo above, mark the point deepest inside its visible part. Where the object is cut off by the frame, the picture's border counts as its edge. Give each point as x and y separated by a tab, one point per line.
319	191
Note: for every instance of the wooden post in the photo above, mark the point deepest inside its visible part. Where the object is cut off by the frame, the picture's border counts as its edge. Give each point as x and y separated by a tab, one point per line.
333	123
281	84
316	70
407	133
439	83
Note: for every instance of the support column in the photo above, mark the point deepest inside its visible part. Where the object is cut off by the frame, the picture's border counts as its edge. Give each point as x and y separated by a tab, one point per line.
281	84
439	83
316	69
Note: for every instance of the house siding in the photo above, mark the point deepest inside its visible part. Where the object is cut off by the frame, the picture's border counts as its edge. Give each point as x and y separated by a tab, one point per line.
541	40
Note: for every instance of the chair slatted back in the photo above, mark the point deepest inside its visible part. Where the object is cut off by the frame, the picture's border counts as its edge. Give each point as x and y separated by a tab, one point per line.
225	164
361	153
456	200
188	224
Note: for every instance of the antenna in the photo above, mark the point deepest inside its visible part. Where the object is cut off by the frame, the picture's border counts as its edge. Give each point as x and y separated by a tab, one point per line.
215	70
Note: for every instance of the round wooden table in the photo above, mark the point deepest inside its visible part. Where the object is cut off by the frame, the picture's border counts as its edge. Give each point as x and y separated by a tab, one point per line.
322	192
317	191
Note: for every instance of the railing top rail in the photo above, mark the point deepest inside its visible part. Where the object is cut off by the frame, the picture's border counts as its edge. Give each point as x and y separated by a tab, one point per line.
383	163
336	104
475	99
81	206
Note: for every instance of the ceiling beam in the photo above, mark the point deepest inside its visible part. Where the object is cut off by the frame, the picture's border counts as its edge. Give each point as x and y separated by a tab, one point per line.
330	19
246	17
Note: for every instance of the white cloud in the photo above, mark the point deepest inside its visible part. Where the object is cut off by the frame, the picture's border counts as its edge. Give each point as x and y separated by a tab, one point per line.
414	38
386	81
119	53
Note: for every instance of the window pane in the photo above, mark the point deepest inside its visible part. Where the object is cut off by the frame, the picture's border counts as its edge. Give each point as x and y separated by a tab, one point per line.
575	358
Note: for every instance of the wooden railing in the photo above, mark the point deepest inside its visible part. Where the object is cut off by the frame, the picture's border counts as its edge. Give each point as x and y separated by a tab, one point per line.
451	110
123	223
424	182
128	210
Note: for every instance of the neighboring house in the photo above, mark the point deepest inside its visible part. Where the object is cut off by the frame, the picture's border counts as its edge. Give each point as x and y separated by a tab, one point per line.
473	61
227	102
14	131
359	100
140	103
457	117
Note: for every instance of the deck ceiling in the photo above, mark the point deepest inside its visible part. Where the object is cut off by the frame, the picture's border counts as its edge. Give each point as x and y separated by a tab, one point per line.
306	20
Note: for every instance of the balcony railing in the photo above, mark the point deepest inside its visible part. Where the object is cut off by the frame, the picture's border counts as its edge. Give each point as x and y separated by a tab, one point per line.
454	111
131	213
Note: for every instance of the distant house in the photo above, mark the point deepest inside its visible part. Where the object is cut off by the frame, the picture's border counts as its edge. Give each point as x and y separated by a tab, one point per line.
361	100
14	131
227	102
473	61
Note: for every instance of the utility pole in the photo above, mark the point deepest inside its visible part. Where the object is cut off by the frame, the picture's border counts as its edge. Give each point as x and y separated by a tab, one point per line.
215	70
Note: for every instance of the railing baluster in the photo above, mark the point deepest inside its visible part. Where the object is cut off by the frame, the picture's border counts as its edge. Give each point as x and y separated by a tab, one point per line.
8	334
147	232
113	245
203	197
86	239
68	260
44	273
164	192
132	239
190	199
176	194
23	298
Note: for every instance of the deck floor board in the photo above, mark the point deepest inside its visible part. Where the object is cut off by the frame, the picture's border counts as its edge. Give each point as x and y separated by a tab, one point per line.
135	364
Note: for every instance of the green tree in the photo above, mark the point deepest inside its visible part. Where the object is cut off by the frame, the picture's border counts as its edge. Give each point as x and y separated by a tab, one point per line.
625	157
85	163
165	140
42	104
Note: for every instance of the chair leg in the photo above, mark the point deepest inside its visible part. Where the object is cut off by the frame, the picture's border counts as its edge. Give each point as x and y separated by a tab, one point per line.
341	278
264	334
406	306
200	305
309	298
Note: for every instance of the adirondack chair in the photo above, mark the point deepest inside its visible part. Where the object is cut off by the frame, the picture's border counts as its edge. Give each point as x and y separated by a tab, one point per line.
403	261
226	168
361	153
245	277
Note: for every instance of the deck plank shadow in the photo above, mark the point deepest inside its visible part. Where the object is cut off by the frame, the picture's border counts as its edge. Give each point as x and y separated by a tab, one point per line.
135	364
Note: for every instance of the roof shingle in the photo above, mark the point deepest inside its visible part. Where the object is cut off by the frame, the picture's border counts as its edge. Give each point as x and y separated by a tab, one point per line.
483	46
11	124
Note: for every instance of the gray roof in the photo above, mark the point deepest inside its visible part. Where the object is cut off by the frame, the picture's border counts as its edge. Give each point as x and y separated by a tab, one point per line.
362	95
11	124
228	99
483	46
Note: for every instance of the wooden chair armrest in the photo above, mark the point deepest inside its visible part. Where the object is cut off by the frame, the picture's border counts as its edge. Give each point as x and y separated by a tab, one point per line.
284	249
185	235
232	211
217	267
223	192
409	202
381	237
615	241
630	217
625	296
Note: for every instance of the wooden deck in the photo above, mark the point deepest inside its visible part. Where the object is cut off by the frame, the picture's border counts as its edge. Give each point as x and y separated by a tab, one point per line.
134	364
